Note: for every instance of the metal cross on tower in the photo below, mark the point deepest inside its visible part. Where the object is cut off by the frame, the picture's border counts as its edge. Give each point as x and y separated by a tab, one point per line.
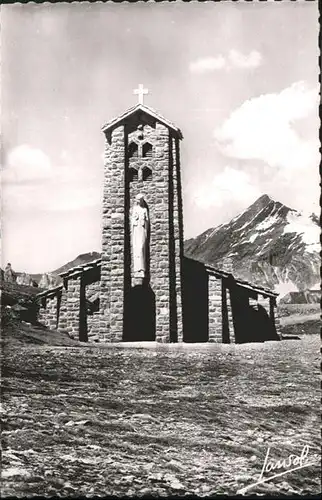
141	91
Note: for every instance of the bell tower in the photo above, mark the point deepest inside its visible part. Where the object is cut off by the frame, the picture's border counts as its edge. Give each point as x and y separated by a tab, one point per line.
142	157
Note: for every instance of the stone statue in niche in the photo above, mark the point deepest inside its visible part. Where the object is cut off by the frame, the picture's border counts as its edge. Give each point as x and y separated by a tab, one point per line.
139	229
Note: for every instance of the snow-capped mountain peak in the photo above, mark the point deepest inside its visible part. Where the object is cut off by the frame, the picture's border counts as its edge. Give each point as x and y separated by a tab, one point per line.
270	244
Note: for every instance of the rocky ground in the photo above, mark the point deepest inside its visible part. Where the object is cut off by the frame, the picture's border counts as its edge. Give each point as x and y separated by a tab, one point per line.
162	420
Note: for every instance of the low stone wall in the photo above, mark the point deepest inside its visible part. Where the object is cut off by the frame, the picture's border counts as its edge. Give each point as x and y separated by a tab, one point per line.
278	323
230	319
48	312
63	311
215	309
93	325
66	308
228	335
92	288
92	291
73	307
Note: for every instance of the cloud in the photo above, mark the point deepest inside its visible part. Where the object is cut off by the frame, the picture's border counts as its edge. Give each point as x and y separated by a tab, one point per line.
208	64
263	128
31	183
234	59
239	60
231	185
26	164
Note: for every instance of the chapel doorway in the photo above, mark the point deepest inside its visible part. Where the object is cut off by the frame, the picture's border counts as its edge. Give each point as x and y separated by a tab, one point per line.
140	314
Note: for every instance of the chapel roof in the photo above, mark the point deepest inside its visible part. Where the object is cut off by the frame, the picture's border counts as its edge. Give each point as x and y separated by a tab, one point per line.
74	271
50	292
240	282
77	270
145	109
71	273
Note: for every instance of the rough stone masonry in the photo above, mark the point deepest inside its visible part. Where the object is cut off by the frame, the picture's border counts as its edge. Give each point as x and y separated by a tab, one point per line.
141	156
178	299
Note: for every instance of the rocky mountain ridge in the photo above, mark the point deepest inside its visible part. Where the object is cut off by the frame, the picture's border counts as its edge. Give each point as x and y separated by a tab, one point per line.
268	244
78	261
47	279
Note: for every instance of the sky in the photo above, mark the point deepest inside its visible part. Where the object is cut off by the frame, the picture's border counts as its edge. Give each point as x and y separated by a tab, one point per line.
239	79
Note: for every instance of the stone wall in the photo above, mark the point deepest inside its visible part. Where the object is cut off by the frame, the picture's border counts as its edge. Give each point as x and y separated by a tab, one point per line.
73	307
232	339
67	309
156	193
227	314
93	320
277	320
215	309
112	267
93	288
42	313
93	326
62	309
128	172
53	311
178	237
274	315
48	311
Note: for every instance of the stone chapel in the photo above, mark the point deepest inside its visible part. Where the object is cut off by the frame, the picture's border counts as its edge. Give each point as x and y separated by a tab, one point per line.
143	288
